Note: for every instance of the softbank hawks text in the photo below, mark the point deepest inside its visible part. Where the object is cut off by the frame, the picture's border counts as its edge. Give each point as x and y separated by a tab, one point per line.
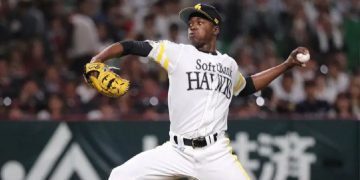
204	78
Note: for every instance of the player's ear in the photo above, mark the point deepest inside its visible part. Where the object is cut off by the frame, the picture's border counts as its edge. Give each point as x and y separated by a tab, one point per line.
216	30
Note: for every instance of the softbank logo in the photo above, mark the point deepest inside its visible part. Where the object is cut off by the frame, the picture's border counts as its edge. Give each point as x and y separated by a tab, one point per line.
59	160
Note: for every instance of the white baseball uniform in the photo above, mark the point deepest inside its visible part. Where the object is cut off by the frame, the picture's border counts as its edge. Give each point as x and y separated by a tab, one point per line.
201	88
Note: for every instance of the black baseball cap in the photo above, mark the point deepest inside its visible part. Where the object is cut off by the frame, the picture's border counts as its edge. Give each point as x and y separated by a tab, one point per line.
203	10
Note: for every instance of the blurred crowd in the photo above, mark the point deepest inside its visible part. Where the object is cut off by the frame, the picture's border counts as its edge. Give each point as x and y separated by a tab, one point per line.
44	45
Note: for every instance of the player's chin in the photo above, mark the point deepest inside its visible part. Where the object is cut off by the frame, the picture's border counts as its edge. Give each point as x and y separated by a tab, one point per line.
195	42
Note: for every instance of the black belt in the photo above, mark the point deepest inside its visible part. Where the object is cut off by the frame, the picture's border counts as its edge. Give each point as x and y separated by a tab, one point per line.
196	142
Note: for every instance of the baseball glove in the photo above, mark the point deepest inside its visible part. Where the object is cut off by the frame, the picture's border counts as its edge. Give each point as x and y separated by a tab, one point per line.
104	80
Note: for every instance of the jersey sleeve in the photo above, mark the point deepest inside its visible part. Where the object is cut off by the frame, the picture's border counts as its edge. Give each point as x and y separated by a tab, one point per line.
165	53
239	82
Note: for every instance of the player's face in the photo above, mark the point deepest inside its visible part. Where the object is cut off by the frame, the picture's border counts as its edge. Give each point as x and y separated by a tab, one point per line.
200	31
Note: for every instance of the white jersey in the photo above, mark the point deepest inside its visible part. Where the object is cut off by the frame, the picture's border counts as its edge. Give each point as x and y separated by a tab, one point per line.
201	86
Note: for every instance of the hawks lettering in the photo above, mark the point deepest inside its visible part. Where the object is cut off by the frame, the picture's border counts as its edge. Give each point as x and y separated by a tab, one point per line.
205	80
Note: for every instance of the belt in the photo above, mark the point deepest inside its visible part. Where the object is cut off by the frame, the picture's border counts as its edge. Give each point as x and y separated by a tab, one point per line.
197	142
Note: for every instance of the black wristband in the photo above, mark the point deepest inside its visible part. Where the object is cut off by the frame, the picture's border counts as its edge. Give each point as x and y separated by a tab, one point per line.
249	87
139	48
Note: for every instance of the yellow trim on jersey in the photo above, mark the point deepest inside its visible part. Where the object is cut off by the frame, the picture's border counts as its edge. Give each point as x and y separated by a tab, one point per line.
166	64
237	160
240	81
161	52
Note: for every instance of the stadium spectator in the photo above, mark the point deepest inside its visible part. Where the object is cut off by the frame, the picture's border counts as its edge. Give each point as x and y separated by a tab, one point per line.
328	37
354	91
5	78
55	109
53	82
85	40
36	62
325	92
106	112
72	99
175	35
342	108
337	78
32	98
28	20
286	89
312	106
15	113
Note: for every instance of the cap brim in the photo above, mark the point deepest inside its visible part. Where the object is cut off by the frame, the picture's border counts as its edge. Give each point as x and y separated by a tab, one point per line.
186	13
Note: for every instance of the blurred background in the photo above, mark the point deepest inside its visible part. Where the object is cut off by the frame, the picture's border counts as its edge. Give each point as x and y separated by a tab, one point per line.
45	43
54	126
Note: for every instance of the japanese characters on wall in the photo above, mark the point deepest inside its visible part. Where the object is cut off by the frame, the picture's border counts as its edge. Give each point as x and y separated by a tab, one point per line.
269	150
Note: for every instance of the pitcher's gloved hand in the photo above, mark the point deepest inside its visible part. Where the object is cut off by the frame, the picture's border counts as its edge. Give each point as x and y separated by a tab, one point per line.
104	80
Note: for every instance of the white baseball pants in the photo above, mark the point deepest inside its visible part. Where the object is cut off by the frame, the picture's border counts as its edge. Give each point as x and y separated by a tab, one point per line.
170	161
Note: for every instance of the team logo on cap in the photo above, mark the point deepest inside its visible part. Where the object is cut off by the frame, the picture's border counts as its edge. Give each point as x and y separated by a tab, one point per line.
197	7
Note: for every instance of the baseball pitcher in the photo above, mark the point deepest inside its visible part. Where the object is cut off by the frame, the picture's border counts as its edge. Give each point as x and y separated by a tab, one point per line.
202	84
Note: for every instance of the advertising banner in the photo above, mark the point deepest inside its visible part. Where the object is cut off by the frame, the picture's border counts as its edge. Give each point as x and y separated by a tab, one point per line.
268	149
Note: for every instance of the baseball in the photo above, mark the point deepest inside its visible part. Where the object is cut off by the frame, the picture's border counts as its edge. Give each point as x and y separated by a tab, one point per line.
303	57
